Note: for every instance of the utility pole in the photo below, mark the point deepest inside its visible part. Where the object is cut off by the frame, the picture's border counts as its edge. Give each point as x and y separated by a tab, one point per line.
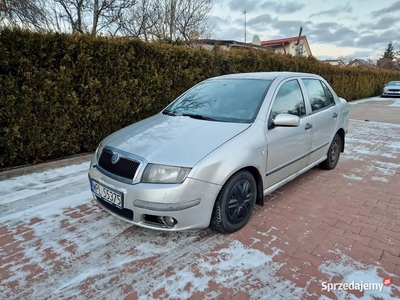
245	25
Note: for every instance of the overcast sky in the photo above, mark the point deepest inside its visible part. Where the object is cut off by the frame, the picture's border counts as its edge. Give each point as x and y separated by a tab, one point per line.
356	28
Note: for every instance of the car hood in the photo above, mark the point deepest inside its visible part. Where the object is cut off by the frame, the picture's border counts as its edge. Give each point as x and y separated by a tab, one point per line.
173	140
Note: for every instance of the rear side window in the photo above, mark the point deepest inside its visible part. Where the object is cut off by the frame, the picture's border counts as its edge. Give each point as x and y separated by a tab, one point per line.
317	95
328	93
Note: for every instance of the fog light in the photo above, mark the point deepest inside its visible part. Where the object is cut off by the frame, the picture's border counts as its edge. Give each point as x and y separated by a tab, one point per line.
169	221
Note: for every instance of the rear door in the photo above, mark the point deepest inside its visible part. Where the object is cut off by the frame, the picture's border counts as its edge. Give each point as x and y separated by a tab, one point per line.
325	115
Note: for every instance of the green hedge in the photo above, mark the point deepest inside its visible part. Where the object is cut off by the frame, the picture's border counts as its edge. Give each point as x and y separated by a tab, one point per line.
61	94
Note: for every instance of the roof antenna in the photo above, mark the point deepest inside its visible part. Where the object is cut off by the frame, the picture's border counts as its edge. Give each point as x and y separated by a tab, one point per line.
298	47
245	26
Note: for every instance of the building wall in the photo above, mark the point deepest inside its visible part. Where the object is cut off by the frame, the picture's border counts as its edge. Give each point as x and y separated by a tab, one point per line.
291	49
211	47
334	63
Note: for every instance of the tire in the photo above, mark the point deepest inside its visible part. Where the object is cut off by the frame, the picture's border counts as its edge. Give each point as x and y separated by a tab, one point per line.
235	203
333	154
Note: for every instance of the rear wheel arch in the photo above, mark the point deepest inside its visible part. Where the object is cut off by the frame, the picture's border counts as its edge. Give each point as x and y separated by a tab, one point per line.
342	134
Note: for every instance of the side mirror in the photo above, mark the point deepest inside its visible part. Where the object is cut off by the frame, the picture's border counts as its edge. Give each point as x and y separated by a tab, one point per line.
286	120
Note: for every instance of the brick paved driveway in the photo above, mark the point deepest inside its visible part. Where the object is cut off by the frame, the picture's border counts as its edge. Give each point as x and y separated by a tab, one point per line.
325	226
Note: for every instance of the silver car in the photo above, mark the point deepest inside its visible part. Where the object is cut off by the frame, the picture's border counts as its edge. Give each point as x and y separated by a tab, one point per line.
391	89
214	152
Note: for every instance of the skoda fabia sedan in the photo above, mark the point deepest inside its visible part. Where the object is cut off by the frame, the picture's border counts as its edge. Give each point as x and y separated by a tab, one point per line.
212	154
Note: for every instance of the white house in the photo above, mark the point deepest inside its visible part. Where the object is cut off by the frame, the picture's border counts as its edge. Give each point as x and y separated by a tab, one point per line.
289	46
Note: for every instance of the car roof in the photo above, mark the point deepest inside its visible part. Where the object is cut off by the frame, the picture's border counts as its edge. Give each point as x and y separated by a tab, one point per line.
267	75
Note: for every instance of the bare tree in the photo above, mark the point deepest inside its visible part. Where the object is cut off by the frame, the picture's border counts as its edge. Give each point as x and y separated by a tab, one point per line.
345	59
192	17
139	20
179	19
23	13
90	16
166	20
72	12
371	61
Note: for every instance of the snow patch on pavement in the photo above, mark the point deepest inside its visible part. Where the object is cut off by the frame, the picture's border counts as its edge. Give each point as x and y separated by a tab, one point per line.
27	185
354	271
353	177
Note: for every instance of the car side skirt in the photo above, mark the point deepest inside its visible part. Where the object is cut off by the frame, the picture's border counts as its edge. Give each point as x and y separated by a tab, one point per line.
293	176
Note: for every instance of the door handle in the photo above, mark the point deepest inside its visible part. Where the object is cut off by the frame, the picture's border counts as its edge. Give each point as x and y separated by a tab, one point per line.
308	126
335	115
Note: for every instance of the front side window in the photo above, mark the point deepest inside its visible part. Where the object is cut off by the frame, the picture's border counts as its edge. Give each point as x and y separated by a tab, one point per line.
316	94
229	100
289	100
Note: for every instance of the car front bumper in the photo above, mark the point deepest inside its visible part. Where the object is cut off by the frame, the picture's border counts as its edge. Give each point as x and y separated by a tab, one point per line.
189	203
390	94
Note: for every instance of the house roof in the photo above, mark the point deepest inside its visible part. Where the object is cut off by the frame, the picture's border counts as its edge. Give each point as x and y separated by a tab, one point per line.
282	41
231	43
328	60
361	61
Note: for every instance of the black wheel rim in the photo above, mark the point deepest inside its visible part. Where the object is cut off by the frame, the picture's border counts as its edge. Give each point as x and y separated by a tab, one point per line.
239	202
334	152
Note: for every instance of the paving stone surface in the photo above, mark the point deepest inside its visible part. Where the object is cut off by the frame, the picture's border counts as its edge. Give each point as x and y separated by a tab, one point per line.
324	227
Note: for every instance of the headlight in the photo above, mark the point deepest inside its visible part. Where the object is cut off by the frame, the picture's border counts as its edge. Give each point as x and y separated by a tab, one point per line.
164	174
98	150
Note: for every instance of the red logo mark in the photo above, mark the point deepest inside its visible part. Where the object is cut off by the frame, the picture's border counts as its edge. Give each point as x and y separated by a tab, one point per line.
387	281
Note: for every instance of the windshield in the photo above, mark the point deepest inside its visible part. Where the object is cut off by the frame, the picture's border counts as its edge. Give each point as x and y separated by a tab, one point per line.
396	83
229	100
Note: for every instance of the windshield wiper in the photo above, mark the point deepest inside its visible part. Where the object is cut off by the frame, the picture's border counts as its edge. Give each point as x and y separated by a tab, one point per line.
169	112
197	116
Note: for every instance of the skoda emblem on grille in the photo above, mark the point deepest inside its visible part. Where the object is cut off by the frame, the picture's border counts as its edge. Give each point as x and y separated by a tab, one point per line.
115	158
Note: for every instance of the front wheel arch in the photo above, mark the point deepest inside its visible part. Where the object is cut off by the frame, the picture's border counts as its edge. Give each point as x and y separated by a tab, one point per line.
259	181
220	220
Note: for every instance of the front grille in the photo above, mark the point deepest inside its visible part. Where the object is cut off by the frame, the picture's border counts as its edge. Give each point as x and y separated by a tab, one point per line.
394	90
124	213
124	167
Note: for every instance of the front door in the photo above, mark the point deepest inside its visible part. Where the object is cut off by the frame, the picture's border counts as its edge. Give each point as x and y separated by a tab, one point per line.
288	147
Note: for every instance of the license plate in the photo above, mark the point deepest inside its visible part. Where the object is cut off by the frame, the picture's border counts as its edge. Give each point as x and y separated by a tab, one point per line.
107	194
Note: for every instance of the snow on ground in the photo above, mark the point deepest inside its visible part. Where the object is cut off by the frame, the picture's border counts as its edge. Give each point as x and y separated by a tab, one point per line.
354	271
397	103
372	145
376	99
73	249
